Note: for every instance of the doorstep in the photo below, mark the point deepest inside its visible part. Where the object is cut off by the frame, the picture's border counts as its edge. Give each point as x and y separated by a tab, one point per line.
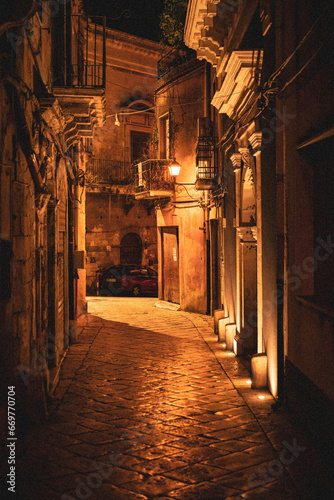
163	304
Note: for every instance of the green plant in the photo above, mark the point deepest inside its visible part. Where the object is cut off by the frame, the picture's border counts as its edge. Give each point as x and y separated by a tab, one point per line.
172	22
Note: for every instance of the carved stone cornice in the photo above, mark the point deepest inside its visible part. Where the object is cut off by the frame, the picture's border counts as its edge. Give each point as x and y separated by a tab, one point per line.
207	27
236	161
246	157
83	109
246	233
255	140
52	114
241	73
254	232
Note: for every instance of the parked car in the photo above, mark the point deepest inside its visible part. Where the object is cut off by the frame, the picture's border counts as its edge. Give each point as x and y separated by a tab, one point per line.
137	280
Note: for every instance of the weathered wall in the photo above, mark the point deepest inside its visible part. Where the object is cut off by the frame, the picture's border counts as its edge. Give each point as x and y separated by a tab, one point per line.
185	85
112	213
131	75
307	159
35	221
107	224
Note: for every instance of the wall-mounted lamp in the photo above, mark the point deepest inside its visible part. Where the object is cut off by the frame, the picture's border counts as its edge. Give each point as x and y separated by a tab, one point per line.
117	122
174	168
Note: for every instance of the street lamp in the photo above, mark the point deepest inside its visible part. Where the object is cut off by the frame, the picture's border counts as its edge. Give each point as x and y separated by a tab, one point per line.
174	168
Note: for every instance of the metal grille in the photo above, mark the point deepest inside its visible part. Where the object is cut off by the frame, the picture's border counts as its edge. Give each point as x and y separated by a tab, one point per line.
153	175
206	158
79	51
101	171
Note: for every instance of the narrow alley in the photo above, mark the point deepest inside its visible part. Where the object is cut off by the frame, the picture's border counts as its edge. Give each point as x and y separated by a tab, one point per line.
149	405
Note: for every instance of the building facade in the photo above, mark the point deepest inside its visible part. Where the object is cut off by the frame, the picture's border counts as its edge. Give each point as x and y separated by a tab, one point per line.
181	217
119	228
49	106
271	110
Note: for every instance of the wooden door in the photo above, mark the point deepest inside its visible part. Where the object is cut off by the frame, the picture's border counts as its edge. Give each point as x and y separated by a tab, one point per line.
171	282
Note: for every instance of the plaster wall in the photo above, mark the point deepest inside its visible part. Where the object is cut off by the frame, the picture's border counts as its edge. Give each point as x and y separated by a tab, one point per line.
309	266
131	75
180	95
106	224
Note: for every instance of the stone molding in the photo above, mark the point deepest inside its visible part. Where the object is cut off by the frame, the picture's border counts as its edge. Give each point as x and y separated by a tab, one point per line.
246	157
240	72
205	32
255	140
236	161
247	234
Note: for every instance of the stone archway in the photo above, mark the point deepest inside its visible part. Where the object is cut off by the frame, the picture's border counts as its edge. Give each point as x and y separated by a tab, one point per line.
131	249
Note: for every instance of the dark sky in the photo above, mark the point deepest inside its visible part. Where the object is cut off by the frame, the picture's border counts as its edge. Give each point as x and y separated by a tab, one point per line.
142	20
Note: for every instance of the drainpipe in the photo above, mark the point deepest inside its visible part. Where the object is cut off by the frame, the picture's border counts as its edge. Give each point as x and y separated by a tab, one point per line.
279	17
207	114
208	259
207	91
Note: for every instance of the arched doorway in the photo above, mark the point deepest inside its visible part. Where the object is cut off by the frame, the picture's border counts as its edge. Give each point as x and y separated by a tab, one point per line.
131	249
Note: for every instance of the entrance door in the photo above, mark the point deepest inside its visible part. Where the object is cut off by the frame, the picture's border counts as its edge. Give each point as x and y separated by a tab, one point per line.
131	249
170	246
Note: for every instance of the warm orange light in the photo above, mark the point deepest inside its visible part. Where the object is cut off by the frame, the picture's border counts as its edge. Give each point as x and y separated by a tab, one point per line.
174	168
261	397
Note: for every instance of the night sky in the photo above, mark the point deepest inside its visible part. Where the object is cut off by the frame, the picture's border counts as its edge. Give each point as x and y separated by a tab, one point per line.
138	17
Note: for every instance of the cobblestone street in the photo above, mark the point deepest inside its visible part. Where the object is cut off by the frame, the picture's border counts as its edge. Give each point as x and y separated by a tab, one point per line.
149	405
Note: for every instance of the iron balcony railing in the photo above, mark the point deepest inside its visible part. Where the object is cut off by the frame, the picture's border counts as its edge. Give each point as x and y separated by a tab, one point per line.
172	59
154	176
79	51
110	172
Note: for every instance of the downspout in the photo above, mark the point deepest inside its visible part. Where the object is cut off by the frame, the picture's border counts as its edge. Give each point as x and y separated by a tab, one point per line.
281	292
207	114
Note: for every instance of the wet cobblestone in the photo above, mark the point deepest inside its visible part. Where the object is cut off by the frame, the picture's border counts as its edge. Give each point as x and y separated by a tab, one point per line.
150	406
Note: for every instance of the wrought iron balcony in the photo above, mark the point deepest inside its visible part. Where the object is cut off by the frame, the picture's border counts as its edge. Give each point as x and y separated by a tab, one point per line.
109	172
153	180
173	59
79	58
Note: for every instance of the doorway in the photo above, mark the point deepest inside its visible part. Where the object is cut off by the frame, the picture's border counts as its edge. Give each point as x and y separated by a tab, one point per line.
131	249
170	252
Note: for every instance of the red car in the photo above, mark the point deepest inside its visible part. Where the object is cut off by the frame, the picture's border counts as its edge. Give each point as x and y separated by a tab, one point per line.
137	280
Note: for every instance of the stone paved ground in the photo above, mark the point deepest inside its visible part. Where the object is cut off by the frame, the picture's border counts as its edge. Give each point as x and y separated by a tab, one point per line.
150	406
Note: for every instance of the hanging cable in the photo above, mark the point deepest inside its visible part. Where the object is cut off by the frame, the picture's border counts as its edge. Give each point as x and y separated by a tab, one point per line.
286	62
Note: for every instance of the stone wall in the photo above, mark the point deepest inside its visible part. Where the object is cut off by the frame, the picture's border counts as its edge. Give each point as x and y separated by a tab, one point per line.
106	225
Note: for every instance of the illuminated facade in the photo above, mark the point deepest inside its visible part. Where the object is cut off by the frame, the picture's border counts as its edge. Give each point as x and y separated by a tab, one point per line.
48	111
119	227
272	267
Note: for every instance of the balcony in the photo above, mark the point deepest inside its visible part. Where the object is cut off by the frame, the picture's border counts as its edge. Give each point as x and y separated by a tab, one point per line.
79	73
173	59
109	173
79	52
153	180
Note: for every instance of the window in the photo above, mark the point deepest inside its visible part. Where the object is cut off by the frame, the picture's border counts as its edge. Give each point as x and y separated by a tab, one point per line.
139	145
164	146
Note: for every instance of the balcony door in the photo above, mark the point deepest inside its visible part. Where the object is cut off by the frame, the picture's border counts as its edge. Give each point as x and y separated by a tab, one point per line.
139	145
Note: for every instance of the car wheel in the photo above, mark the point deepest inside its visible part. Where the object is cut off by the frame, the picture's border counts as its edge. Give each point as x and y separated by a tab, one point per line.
136	290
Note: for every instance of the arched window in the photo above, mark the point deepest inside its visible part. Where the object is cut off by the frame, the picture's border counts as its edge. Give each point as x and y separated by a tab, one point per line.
131	249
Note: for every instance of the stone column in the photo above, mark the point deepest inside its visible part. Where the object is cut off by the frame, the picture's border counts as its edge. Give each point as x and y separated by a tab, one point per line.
266	260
